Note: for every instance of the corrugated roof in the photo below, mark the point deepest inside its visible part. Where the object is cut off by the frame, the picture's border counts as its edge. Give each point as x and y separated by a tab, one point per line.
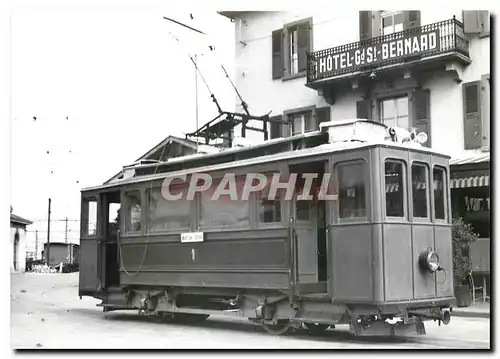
17	219
478	158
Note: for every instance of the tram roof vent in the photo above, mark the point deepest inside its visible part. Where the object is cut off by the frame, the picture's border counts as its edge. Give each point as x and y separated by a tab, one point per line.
354	130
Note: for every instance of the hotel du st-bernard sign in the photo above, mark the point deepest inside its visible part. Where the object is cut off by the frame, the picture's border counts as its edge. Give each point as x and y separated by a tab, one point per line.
331	63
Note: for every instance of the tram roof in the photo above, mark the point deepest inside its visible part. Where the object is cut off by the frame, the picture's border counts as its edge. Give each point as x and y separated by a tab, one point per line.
292	154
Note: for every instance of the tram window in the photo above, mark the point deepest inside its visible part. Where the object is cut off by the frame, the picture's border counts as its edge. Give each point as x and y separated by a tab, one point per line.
352	202
165	215
269	209
439	194
303	210
92	218
134	211
419	181
394	189
223	212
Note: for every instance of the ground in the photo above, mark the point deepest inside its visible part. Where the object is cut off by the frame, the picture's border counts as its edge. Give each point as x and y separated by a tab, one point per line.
46	312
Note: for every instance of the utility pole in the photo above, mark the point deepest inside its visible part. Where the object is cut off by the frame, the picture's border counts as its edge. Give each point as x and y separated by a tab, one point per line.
36	245
196	93
66	231
48	236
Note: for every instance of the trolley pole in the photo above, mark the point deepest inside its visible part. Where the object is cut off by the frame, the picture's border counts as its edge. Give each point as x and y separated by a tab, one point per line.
196	94
48	236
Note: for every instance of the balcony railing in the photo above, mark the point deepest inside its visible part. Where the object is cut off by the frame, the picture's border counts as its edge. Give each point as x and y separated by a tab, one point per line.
419	43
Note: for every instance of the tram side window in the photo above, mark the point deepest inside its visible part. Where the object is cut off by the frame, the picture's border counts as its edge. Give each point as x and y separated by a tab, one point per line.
134	211
165	215
352	201
269	209
394	189
438	175
419	179
223	212
92	218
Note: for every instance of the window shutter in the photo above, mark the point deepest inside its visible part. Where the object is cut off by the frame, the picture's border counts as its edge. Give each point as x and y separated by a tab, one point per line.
276	128
421	113
364	109
485	110
365	25
484	15
304	44
322	115
277	49
376	24
472	21
412	20
472	114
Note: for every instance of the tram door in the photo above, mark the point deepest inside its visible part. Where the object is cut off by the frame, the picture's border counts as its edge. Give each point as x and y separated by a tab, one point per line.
111	225
310	226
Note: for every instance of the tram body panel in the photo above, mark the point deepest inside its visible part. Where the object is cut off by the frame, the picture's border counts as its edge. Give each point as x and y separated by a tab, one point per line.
398	255
233	259
444	248
352	259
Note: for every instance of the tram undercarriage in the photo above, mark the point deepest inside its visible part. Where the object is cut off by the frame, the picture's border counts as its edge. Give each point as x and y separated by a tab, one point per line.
275	313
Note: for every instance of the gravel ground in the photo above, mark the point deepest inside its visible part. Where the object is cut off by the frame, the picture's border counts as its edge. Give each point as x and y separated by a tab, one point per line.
46	312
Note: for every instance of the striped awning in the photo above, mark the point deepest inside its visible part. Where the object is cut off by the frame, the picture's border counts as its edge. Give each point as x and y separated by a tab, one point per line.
473	181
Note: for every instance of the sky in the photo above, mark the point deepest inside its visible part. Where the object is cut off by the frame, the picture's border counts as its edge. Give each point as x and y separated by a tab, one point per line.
94	89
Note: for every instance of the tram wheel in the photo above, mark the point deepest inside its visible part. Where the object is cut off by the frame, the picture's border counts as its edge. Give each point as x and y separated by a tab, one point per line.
281	328
316	328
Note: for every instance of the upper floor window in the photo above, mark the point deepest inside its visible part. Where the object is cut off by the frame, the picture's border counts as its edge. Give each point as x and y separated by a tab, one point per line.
378	23
302	123
392	21
394	112
290	46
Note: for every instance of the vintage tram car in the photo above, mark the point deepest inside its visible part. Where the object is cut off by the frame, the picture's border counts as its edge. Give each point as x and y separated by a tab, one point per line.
378	258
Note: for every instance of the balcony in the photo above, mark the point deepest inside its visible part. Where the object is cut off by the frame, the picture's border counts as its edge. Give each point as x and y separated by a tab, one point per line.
423	46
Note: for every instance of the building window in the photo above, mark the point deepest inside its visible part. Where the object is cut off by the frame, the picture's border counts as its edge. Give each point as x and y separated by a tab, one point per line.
419	179
438	175
394	189
394	112
134	211
352	201
302	122
92	218
392	21
293	50
290	46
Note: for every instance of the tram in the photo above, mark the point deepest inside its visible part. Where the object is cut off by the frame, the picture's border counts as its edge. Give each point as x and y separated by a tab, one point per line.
373	251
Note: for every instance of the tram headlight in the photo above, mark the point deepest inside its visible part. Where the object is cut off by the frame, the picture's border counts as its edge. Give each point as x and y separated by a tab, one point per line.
429	260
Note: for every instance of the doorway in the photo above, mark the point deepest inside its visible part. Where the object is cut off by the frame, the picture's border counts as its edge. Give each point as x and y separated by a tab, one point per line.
310	225
16	250
111	213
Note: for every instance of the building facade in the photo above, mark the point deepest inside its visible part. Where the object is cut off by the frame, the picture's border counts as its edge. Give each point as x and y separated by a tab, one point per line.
424	70
18	242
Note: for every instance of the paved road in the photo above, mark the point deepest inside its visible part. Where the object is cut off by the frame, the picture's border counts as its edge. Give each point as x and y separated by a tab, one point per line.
47	313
